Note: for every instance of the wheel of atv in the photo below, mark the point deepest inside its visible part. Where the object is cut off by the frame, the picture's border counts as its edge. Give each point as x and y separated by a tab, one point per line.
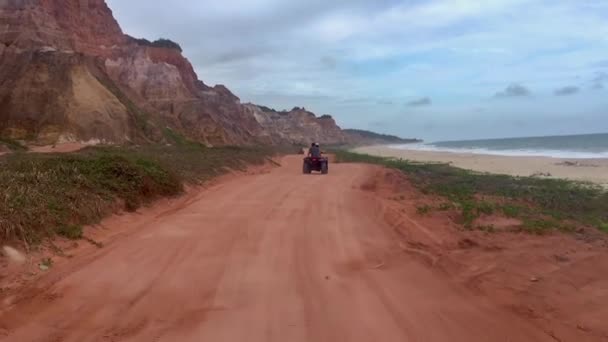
306	168
325	168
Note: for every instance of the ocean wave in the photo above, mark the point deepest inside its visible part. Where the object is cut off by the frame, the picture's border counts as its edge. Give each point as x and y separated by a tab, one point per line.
561	154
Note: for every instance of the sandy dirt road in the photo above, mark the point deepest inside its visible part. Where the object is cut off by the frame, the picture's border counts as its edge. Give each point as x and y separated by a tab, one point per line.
270	257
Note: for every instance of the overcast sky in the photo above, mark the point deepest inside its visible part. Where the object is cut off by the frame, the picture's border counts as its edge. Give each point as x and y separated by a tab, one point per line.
435	69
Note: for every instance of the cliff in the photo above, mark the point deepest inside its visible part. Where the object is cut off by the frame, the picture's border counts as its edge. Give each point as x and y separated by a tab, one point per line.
67	72
297	126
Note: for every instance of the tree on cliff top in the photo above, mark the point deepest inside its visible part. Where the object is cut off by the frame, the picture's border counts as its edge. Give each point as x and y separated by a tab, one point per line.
159	43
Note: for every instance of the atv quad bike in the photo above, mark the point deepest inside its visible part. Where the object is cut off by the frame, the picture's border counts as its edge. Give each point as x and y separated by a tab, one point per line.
319	164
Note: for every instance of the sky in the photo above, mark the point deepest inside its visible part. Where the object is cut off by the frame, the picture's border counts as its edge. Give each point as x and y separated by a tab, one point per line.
434	69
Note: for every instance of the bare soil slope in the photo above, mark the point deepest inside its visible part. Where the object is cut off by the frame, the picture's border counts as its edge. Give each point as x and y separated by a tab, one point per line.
268	257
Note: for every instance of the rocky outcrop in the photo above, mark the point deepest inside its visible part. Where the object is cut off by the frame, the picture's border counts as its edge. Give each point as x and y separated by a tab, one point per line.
298	126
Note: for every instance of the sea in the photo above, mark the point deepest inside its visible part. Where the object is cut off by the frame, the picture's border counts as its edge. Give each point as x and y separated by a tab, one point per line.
585	146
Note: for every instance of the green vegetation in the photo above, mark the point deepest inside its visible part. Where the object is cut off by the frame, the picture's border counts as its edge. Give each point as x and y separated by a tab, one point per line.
485	208
512	211
267	109
12	145
423	209
70	231
383	137
539	225
57	194
176	138
160	43
445	206
542	204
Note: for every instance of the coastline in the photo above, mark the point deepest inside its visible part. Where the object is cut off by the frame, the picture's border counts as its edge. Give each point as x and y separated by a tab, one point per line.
587	170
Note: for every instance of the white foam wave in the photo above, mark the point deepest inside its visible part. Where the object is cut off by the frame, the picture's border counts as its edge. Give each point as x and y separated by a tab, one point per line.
561	154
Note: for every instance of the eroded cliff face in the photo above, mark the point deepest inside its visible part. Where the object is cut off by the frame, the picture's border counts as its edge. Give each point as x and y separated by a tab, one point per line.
69	73
54	97
66	25
49	80
163	82
299	126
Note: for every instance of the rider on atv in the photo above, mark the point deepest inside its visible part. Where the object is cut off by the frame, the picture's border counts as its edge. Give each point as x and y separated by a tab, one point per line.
314	151
315	161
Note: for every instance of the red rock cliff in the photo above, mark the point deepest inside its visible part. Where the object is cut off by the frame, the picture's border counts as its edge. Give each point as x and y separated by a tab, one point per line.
79	25
69	73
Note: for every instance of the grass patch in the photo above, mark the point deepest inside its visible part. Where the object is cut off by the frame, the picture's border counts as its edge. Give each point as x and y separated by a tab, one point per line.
57	194
485	208
424	209
469	213
12	145
531	199
178	139
70	231
445	206
512	211
539	225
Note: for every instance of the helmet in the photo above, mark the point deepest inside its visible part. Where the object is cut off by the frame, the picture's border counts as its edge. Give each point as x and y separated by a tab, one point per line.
317	144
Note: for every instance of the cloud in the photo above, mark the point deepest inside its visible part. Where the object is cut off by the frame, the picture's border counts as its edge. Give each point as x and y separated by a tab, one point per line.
601	64
421	102
329	62
367	100
599	79
384	102
357	100
514	90
239	54
379	124
565	91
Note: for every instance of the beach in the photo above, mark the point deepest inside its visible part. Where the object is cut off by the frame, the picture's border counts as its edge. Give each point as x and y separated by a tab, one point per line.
588	170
